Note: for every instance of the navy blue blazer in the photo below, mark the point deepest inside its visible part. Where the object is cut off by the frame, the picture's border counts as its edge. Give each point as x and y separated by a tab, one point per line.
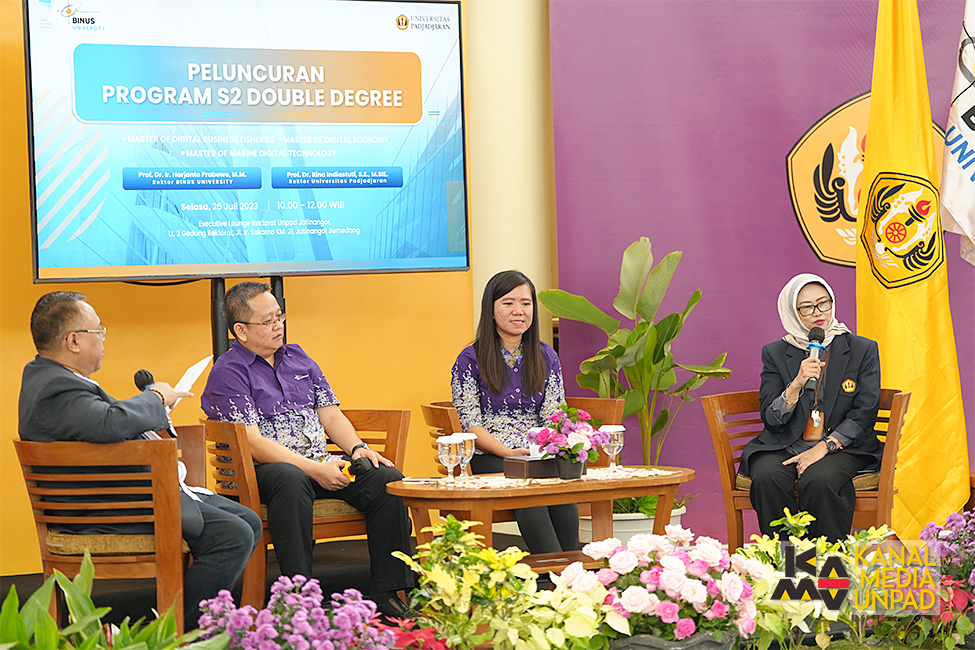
850	394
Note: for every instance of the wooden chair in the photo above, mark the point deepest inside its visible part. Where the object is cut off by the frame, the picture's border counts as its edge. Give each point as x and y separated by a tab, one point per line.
161	555
442	418
734	420
233	468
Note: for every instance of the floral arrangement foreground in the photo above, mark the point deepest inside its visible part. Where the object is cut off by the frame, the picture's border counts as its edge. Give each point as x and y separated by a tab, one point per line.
570	435
670	586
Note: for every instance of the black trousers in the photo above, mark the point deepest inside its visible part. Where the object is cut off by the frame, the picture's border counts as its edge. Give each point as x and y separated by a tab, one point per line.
220	551
545	529
289	495
825	491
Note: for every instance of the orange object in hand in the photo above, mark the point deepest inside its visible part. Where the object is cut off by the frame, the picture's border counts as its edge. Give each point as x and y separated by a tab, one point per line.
348	474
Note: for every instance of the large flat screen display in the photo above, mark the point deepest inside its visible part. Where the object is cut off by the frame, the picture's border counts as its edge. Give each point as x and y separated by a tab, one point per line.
204	138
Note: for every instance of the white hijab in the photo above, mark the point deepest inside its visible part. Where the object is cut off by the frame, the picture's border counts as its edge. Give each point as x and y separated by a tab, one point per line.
797	334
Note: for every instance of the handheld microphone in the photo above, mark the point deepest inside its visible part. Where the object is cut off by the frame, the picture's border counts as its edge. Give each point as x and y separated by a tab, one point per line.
143	380
816	337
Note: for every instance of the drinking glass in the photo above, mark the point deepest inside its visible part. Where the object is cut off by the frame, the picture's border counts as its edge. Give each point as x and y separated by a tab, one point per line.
448	451
466	452
615	444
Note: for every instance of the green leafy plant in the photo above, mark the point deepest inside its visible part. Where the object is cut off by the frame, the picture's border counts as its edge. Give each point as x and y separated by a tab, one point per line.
469	593
31	627
637	363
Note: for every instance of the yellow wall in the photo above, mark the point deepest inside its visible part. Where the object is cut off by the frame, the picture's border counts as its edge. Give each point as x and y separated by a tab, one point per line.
382	340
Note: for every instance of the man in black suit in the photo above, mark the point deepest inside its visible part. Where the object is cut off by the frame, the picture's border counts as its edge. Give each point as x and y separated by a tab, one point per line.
59	401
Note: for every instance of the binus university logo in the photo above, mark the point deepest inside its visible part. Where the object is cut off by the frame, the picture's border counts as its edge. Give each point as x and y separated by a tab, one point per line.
829	583
902	232
402	22
824	170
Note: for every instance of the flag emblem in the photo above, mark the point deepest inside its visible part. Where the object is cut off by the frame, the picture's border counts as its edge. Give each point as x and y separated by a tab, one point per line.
825	172
849	386
902	232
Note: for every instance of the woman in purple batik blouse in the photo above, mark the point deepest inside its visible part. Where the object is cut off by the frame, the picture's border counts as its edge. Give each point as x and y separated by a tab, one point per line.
504	384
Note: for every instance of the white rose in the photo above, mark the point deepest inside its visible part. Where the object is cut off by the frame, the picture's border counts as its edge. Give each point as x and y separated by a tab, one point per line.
575	438
673	564
731	587
672	582
572	572
696	594
707	553
602	549
641	545
623	562
678	533
585	582
635	599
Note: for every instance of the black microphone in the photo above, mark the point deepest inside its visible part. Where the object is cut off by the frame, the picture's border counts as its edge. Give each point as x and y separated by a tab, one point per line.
816	337
143	380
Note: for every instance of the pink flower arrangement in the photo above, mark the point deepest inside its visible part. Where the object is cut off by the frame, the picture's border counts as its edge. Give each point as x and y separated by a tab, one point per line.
671	586
569	435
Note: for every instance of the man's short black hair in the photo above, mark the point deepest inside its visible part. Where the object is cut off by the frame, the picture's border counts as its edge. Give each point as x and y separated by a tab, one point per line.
53	316
235	307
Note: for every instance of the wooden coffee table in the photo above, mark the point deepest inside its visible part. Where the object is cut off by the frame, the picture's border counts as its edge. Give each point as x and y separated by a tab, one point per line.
479	504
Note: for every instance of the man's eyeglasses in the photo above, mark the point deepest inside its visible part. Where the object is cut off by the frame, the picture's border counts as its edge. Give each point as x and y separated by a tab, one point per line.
101	331
268	323
823	307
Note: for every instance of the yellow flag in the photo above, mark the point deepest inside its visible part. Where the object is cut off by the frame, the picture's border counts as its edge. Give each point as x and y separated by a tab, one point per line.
902	279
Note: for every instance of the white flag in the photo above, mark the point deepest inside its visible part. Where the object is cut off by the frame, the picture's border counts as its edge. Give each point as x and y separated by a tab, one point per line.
958	164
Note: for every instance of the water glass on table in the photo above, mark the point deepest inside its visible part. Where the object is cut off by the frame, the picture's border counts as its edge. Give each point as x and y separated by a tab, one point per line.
449	453
615	444
466	451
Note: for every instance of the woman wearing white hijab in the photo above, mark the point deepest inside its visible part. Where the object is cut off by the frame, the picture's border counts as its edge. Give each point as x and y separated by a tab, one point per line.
815	440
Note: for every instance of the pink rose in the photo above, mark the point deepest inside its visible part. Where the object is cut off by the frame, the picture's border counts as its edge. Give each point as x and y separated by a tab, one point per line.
606	577
572	572
746	590
668	611
714	589
685	628
719	609
543	437
649	578
576	438
582	415
556	417
698	568
584	428
558	439
746	625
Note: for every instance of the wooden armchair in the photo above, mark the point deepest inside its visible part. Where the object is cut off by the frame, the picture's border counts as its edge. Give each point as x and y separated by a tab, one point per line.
50	471
233	468
734	420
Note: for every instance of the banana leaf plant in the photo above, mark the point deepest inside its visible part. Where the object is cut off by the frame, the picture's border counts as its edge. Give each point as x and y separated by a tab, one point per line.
637	363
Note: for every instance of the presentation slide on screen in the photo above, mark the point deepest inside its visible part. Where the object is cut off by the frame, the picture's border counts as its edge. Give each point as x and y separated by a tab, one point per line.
261	137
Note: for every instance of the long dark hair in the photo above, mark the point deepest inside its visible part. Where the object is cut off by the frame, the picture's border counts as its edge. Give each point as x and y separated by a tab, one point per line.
491	361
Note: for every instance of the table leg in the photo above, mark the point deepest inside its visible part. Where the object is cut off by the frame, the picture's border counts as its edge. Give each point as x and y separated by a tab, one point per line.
602	520
483	511
421	520
665	504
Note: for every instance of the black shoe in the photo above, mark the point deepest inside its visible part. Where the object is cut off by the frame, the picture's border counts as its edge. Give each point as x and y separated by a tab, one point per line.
394	608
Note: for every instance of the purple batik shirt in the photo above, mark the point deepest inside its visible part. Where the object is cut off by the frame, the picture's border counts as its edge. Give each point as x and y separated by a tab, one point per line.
509	415
281	401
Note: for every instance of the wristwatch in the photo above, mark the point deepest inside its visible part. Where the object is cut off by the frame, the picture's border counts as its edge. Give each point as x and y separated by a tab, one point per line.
832	445
359	446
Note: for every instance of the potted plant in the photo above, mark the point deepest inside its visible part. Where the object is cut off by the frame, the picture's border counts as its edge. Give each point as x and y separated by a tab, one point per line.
670	591
637	363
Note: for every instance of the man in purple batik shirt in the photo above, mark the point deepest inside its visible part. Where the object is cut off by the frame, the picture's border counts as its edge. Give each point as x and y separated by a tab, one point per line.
290	411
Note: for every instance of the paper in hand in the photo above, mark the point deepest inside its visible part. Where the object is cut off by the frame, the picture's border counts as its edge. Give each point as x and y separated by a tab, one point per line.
189	377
